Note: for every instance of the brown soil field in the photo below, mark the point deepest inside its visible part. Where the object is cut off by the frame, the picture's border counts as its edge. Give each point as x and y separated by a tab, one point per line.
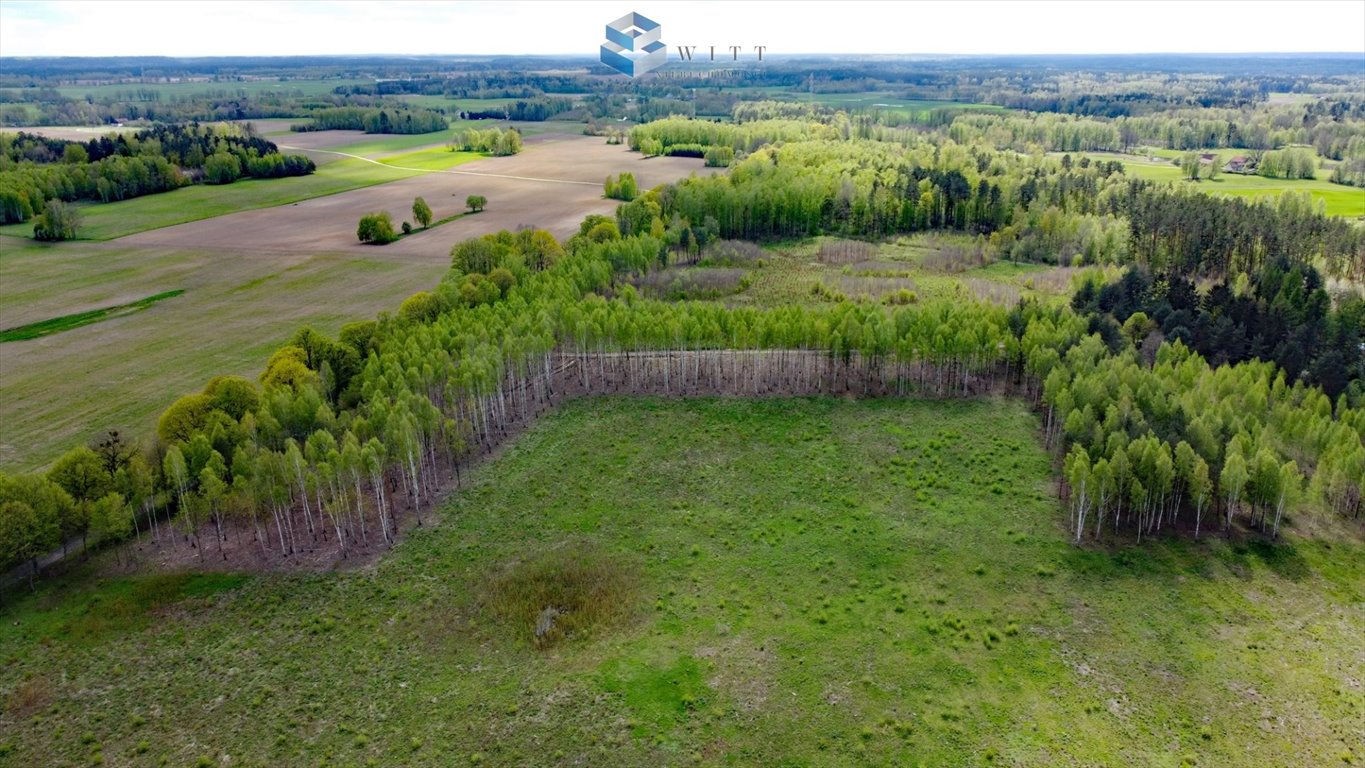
551	185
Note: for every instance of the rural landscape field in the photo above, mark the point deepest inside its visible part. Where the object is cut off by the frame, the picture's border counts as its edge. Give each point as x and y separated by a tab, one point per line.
499	408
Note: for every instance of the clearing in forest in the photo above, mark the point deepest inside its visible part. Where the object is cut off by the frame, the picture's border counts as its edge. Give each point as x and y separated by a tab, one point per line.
641	581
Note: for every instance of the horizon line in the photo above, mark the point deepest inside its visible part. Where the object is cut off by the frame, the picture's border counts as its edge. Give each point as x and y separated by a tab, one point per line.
748	57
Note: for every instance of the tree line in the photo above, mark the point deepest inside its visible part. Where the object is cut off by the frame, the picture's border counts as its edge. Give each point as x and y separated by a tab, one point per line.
495	141
35	170
374	120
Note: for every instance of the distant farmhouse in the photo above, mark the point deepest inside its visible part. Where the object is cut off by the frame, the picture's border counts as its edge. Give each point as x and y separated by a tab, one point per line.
1240	164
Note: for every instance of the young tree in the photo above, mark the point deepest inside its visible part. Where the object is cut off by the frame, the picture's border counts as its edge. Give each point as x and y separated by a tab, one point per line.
508	143
1233	481
475	203
111	519
1078	477
1189	166
1290	487
177	476
1199	486
421	212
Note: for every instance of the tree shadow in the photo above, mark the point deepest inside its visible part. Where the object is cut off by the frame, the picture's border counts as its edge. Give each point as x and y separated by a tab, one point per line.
1177	556
1281	557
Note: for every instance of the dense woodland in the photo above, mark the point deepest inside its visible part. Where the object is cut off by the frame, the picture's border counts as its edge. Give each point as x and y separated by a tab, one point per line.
338	435
370	120
119	166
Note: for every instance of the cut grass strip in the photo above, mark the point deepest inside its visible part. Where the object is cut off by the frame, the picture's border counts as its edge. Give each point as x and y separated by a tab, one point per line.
67	322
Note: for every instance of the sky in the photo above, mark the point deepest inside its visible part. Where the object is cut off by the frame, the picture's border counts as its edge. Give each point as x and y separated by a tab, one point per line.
310	27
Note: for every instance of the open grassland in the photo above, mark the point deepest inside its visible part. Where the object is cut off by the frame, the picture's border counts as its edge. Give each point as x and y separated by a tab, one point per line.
781	582
335	173
1338	199
68	322
924	266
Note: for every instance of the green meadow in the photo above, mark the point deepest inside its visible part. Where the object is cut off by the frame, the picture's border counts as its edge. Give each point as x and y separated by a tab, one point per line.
1337	199
780	582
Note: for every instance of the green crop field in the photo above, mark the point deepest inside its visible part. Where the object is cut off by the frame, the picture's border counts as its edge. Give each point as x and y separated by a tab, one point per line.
434	159
106	221
121	372
782	582
380	145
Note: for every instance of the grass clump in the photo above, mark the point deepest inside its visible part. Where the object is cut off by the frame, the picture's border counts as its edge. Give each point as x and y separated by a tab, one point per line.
567	591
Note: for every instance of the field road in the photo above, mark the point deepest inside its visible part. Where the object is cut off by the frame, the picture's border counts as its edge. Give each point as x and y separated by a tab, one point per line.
552	184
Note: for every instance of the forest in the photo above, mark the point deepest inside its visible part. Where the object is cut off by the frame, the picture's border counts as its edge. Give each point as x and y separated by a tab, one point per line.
1168	402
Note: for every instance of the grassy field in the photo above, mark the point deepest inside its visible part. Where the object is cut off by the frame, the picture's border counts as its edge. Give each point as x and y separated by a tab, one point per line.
782	582
106	221
884	101
1338	199
790	272
434	159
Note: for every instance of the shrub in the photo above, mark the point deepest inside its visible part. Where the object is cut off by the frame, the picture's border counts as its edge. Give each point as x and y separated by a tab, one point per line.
222	168
719	157
376	228
58	221
623	187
